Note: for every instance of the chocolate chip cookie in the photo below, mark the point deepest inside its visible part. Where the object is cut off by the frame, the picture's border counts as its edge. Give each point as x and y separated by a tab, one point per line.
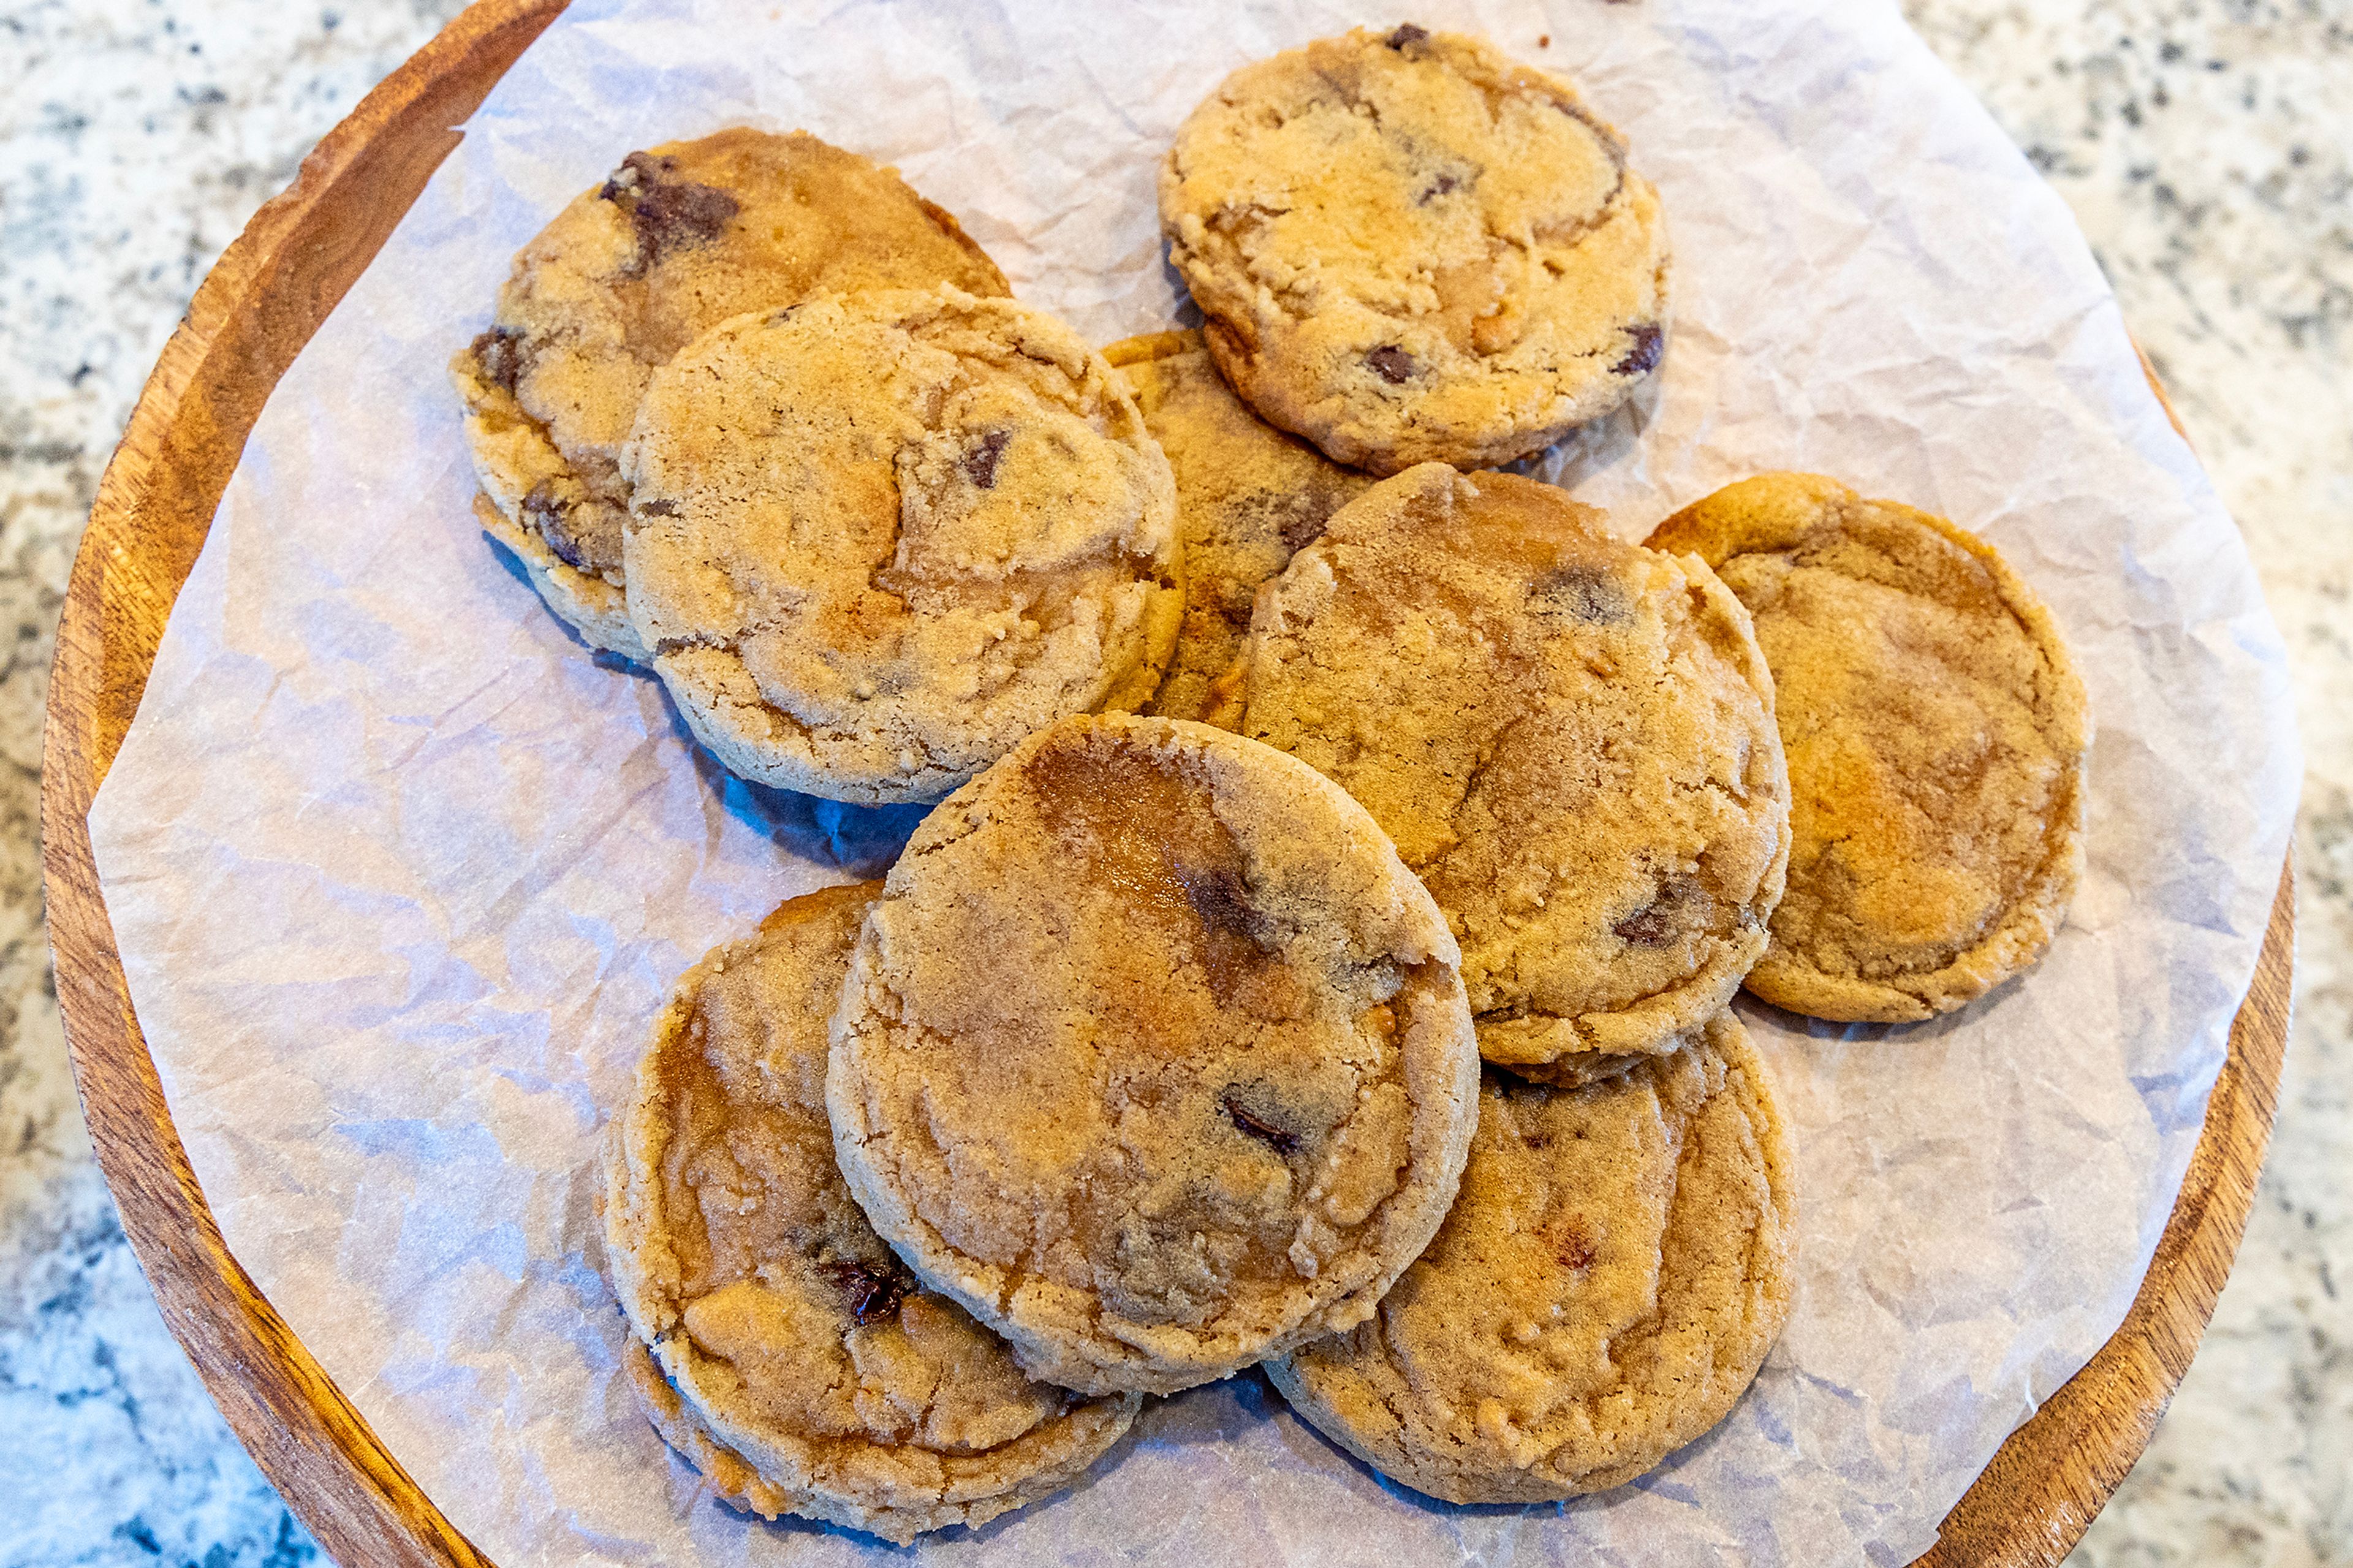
877	539
1152	1056
1569	737
777	1343
1246	496
1937	735
680	238
1411	249
1607	1286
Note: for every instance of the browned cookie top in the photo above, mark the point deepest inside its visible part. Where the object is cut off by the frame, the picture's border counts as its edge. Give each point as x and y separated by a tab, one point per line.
1412	249
677	240
798	1361
877	539
1569	737
1607	1286
1936	736
1153	1055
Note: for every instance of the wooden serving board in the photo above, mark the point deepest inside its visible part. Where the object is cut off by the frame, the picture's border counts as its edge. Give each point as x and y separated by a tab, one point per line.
253	314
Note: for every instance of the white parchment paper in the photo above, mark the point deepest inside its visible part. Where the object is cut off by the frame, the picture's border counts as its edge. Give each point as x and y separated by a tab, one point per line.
400	872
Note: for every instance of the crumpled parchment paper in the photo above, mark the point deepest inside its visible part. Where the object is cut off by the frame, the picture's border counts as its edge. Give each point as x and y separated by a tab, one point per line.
401	873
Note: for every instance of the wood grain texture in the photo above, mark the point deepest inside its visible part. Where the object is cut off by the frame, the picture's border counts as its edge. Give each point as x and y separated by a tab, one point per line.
253	314
256	310
2034	1501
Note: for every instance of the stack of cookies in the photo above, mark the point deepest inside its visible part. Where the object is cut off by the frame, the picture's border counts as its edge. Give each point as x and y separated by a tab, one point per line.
756	415
1320	954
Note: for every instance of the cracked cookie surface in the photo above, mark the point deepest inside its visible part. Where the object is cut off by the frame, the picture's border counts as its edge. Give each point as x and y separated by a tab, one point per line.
877	539
1411	249
1610	1279
1248	495
1569	737
680	238
1937	734
1152	1056
781	1347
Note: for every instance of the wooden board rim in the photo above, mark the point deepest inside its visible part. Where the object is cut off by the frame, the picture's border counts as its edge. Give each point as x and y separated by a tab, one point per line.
254	311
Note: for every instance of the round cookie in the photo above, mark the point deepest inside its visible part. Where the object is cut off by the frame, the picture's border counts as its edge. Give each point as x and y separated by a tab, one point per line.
775	1343
1569	737
877	539
1411	249
1246	496
1609	1283
1937	735
680	238
1152	1056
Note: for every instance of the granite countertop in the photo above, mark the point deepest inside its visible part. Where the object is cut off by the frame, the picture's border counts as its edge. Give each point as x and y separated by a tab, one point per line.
2207	148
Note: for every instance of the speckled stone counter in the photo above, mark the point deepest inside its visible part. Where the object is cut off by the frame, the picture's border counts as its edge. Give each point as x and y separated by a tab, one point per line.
2206	145
138	136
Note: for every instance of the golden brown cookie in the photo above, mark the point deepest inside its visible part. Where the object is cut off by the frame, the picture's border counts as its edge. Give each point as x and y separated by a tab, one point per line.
678	240
1937	734
1246	496
1411	249
1609	1283
1152	1056
1569	737
785	1352
877	539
